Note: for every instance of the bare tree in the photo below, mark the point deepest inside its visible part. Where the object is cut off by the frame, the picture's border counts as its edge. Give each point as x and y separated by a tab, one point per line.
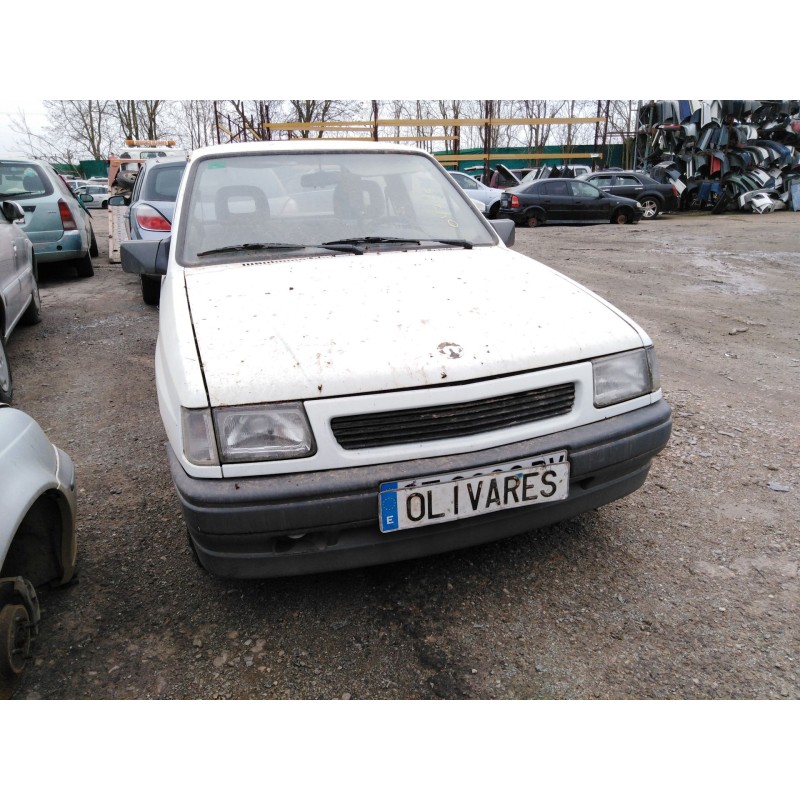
139	119
322	111
621	127
451	109
193	121
570	134
75	129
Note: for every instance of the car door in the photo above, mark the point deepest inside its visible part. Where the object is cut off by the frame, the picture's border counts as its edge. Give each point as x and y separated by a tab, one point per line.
13	260
558	201
591	205
628	186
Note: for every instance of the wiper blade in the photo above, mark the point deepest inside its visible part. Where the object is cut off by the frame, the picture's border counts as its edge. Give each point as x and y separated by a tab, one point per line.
232	248
455	242
373	240
393	240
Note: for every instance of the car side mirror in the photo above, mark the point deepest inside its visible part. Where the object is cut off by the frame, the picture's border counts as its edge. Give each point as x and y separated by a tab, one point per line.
12	211
118	200
505	229
145	256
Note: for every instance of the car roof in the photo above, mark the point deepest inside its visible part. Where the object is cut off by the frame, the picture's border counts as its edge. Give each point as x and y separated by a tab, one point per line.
551	180
150	163
295	145
616	173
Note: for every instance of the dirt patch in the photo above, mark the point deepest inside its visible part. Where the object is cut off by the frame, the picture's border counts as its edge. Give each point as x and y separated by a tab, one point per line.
687	589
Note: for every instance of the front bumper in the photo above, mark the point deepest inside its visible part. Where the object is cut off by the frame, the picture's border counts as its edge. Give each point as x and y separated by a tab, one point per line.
322	521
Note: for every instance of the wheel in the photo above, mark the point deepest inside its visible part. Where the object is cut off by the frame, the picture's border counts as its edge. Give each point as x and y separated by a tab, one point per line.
94	250
151	290
494	209
651	206
33	313
15	639
621	217
6	382
535	221
104	204
84	267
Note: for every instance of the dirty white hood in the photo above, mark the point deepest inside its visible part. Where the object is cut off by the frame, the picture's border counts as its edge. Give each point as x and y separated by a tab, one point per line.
339	325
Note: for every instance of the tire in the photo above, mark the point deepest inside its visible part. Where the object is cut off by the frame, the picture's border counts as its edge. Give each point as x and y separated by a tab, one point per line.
84	267
104	204
15	639
621	217
151	290
6	380
534	221
94	250
652	208
33	313
493	211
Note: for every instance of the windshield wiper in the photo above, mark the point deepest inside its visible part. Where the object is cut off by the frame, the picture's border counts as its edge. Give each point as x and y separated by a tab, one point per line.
393	240
232	248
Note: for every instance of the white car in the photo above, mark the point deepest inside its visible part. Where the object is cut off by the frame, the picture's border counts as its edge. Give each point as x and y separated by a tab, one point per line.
478	191
37	530
19	287
358	369
94	195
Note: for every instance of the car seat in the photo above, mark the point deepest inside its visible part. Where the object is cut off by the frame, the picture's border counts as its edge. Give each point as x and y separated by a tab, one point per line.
241	212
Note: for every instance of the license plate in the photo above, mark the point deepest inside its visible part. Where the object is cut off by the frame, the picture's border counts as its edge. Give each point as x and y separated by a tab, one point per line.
443	498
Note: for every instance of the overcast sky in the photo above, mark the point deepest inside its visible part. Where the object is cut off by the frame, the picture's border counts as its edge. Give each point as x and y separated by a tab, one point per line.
347	51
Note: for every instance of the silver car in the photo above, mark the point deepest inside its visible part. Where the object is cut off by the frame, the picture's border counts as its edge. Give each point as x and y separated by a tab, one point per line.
37	530
478	191
151	208
19	289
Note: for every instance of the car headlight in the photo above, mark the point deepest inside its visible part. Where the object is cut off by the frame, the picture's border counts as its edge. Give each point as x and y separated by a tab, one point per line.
624	376
246	433
263	433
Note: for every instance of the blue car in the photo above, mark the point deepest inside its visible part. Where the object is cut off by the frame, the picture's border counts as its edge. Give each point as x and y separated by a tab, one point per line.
55	221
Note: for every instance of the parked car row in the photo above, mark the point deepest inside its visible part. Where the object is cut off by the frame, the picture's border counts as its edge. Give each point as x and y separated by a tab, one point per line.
566	200
19	287
570	194
37	480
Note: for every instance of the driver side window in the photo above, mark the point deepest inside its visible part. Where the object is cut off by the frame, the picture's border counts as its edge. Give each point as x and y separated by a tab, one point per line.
583	189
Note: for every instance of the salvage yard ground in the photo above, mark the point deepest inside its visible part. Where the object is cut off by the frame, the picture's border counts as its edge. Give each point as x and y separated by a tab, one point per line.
689	588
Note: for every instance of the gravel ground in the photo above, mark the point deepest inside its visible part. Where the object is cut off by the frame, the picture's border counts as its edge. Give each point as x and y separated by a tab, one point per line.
686	589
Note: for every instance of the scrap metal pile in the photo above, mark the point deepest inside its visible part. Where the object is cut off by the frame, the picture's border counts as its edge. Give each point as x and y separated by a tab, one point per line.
724	154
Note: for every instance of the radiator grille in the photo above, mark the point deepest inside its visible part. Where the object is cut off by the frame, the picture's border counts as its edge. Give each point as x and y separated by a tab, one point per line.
458	419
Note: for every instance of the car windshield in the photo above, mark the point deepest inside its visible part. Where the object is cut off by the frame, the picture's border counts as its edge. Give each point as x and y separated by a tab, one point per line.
162	182
22	181
285	204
